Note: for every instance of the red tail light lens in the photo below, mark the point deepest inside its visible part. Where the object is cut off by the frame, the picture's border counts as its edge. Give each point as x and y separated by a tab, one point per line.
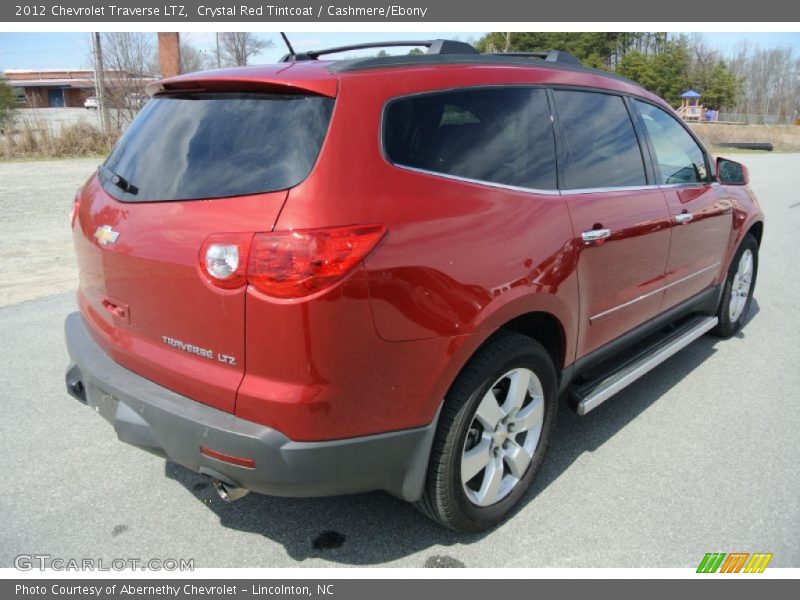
247	463
223	259
292	264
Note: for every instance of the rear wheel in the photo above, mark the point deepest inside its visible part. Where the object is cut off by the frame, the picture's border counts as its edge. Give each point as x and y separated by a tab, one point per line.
737	294
494	429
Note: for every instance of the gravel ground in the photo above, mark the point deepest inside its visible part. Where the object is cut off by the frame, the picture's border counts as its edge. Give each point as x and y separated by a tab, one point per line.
36	256
699	455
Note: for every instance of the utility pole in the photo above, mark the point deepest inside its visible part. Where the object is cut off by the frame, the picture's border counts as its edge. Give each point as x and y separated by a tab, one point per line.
99	81
219	62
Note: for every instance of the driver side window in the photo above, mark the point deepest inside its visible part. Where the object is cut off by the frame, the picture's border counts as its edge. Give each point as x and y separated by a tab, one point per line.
678	158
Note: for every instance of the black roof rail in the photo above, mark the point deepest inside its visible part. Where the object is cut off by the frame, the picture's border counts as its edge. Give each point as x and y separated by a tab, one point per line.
437	47
401	61
558	56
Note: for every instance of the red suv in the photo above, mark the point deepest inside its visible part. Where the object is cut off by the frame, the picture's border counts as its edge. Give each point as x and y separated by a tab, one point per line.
327	277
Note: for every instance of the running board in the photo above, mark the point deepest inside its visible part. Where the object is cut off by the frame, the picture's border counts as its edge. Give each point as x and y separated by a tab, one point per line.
592	394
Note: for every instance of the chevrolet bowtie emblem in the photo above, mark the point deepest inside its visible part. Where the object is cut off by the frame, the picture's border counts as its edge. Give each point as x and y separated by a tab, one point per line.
105	235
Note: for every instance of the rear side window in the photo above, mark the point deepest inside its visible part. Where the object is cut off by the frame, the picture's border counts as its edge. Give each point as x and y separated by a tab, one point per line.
679	158
194	146
600	145
497	135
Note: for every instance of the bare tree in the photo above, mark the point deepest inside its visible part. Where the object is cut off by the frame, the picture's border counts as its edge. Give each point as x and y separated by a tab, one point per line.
130	61
770	80
238	47
194	59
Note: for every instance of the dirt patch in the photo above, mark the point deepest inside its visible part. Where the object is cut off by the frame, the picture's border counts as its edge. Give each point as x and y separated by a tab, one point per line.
36	255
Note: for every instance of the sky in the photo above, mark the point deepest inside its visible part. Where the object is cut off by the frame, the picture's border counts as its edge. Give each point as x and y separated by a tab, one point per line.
71	50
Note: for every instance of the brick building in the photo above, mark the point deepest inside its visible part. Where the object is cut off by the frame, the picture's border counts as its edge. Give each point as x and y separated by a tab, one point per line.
64	87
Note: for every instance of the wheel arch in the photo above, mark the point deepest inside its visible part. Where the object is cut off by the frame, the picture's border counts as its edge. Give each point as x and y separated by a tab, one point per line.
545	328
542	326
757	229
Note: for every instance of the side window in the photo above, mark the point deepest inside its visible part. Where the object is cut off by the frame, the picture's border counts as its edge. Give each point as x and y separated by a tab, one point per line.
600	145
497	135
678	157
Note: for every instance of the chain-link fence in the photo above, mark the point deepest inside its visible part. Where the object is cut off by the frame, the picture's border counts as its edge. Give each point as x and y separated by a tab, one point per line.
750	119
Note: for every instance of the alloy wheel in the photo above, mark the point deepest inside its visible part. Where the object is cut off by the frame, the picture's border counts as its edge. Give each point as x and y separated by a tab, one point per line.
740	286
502	437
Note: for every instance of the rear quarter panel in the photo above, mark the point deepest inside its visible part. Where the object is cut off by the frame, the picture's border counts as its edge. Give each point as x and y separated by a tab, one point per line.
459	258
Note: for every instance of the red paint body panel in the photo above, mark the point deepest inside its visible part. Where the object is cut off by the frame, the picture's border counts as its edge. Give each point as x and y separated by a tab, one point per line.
316	369
152	269
379	349
629	265
746	214
287	77
698	247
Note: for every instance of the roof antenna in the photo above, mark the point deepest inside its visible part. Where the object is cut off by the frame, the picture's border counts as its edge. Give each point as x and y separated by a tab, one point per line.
288	45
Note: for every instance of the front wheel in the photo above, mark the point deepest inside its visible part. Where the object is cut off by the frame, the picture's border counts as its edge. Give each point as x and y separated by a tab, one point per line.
494	429
737	294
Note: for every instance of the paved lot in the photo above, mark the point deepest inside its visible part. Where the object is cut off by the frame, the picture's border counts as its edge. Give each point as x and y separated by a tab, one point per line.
700	455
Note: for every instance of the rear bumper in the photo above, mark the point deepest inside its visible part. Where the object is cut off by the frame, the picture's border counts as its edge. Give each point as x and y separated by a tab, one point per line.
165	423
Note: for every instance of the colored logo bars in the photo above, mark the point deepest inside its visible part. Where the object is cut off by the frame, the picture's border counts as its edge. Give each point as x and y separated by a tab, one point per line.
734	562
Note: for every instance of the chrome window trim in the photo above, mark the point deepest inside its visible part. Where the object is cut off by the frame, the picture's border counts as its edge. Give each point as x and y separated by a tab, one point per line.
502	186
514	188
621	188
634	188
654	292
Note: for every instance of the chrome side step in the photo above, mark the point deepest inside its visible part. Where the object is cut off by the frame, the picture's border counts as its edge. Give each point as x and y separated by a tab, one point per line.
591	395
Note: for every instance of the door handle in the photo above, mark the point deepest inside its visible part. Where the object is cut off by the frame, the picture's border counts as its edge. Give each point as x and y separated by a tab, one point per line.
594	235
684	217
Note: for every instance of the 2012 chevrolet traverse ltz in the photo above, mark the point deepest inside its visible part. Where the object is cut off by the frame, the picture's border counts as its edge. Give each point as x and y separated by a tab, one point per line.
328	277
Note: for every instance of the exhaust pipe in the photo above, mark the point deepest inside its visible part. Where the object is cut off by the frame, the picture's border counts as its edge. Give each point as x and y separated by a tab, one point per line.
228	492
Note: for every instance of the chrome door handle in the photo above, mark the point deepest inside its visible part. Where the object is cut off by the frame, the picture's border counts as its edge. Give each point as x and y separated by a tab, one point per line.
684	217
595	234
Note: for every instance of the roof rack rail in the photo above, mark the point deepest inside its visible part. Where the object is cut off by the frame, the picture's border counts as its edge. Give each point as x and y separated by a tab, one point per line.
433	46
558	56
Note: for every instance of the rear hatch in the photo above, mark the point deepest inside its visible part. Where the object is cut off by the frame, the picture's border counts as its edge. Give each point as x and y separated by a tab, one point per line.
193	164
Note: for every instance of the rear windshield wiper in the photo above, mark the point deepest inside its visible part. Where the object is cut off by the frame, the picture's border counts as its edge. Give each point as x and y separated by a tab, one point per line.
122	183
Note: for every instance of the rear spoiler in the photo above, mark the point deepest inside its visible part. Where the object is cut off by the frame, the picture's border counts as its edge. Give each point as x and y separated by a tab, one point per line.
285	79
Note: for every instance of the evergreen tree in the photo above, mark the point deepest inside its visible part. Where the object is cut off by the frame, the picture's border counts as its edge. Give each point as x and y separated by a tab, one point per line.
667	67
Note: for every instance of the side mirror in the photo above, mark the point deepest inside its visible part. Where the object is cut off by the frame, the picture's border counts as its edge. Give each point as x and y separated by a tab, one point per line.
731	172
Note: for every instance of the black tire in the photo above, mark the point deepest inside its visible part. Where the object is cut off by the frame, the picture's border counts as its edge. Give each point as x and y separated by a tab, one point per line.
444	498
727	326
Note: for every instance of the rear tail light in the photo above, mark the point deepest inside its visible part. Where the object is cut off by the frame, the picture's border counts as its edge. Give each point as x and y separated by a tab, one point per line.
223	259
287	264
291	264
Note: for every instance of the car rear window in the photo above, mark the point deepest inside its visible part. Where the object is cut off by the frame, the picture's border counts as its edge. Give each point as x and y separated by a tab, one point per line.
211	145
493	135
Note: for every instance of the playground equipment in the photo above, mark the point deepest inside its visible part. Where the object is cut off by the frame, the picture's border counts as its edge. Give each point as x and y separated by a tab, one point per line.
691	109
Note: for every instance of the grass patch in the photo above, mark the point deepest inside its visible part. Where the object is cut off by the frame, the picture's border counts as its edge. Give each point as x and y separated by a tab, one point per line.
31	138
785	138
